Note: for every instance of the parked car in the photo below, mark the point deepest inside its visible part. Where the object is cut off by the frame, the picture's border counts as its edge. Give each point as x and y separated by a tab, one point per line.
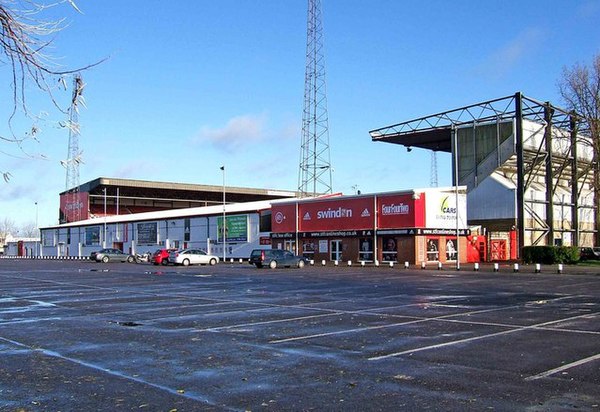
192	257
588	253
161	256
110	254
275	257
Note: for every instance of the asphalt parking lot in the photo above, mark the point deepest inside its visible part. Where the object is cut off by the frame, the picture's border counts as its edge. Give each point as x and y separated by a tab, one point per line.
76	335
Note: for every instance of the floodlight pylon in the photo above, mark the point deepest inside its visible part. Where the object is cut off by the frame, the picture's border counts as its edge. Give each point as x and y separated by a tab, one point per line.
315	174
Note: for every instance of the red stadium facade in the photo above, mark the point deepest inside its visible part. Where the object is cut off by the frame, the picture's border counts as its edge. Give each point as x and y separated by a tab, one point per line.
412	226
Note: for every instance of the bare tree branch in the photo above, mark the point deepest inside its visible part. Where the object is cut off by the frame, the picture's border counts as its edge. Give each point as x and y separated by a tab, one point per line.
24	39
580	89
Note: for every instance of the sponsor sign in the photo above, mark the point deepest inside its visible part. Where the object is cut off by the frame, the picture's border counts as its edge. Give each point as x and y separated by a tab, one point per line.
147	233
400	211
336	233
236	228
74	207
337	214
397	232
461	232
283	218
92	236
441	210
287	235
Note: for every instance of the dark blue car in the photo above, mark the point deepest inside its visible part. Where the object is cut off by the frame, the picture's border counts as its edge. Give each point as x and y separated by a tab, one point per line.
274	258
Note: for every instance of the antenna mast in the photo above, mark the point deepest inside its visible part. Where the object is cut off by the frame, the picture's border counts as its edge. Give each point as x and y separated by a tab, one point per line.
434	170
74	155
315	164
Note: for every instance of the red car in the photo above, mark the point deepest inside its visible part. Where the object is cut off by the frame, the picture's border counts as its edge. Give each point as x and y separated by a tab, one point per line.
161	256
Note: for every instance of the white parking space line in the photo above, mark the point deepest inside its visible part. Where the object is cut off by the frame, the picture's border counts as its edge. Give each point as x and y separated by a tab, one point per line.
475	338
267	322
417	320
391	325
563	368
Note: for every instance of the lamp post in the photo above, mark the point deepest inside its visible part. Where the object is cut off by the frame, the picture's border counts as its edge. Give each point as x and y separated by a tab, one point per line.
37	229
104	240
224	226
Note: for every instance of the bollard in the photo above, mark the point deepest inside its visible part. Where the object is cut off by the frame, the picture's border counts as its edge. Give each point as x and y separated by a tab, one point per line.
323	262
241	261
335	263
423	265
362	263
457	265
538	268
312	262
439	265
231	260
516	268
391	264
377	263
560	268
349	263
476	267
405	265
495	267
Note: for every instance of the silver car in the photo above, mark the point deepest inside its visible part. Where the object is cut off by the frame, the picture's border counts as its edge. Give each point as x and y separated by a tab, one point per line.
188	257
111	255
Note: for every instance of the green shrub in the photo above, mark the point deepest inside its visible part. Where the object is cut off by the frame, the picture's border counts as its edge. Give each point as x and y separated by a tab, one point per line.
549	255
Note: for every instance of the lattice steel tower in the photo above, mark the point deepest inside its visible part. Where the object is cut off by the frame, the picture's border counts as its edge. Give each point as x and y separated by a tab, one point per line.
315	164
74	154
433	182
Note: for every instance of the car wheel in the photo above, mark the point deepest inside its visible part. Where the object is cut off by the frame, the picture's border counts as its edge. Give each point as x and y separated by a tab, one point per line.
130	259
105	259
185	262
213	262
164	262
300	264
273	264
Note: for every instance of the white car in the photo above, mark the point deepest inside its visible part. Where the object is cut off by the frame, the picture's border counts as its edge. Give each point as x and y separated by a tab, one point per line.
188	257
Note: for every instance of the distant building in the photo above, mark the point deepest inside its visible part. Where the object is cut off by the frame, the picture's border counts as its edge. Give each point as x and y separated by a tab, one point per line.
114	196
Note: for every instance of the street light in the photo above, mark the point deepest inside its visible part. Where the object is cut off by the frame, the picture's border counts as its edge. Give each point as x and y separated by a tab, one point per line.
224	234
104	240
37	229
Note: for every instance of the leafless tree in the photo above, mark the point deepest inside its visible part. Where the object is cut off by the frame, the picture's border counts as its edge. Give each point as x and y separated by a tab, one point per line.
24	40
7	227
29	229
580	88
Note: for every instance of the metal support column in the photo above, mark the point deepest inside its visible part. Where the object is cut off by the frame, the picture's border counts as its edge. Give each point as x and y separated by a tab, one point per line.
548	112
520	172
574	182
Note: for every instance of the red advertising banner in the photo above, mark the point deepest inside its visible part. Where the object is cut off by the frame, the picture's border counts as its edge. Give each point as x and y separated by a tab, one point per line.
74	206
401	211
283	218
338	214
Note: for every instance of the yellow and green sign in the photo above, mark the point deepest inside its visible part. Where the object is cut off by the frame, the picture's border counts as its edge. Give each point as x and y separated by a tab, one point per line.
236	228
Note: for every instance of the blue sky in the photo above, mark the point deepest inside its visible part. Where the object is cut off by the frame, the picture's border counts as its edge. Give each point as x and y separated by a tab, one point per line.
192	85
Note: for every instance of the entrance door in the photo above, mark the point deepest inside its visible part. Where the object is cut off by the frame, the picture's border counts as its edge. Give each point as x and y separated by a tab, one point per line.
290	245
498	249
336	250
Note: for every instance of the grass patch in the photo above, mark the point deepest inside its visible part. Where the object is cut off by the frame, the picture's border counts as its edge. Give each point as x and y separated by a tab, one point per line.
589	263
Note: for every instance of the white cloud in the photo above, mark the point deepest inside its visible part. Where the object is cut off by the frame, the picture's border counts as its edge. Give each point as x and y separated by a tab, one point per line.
512	53
238	132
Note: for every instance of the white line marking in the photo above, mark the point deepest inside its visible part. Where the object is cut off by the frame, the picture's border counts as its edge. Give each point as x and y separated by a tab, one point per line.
456	342
410	322
563	368
139	380
268	322
418	319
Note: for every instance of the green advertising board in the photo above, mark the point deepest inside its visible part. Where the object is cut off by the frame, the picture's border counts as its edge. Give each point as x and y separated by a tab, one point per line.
236	228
